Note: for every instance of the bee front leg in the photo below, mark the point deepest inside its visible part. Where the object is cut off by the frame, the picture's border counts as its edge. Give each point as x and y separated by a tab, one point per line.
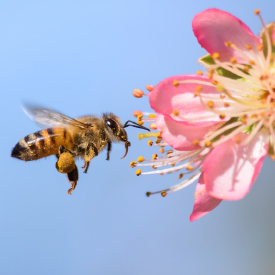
72	178
109	148
90	153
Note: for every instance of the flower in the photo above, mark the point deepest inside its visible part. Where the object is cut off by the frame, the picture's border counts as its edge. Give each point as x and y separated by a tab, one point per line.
220	123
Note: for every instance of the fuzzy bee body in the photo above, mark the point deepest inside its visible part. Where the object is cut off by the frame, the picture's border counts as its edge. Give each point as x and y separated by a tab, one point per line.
68	138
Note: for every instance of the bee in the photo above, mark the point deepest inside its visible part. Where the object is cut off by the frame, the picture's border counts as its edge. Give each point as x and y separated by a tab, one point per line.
68	138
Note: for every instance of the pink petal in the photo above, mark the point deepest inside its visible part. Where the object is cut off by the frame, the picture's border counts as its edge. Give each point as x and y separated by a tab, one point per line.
231	169
179	135
214	27
165	98
204	203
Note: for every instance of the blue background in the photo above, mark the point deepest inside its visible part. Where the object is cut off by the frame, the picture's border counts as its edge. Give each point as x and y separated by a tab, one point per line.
86	57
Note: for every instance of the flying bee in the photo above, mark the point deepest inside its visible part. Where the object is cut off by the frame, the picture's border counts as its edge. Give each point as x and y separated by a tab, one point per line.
69	138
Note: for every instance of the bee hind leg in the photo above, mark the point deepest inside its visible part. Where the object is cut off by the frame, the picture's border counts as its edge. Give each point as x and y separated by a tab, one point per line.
86	165
72	178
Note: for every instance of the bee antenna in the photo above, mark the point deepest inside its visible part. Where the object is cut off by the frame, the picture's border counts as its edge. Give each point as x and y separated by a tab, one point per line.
136	125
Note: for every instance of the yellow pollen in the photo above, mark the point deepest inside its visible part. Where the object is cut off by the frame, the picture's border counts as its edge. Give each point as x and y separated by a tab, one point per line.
150	142
196	142
208	143
216	55
154	167
180	175
153	126
133	164
228	44
140	159
226	104
248	47
214	82
138	172
210	104
154	156
163	193
147	135
140	122
222	116
139	117
256	12
251	62
161	150
176	83
152	116
138	93
259	47
189	167
233	60
243	120
169	152
199	88
137	113
199	72
173	164
246	68
148	194
176	112
149	88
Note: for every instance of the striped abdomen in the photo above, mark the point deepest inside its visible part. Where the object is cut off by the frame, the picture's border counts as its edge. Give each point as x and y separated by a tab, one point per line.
42	144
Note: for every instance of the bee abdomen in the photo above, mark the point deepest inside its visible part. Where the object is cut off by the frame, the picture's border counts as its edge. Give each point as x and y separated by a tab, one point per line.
42	144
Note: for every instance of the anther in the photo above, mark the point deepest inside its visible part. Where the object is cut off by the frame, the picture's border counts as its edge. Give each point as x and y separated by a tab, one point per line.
133	164
199	88
152	116
150	142
153	126
214	82
155	156
256	12
246	68
149	88
176	112
237	139
208	143
173	164
222	116
228	44
161	150
148	194
210	73
199	72
226	104
161	173
180	175
251	62
138	93
243	120
176	83
233	60
216	55
189	167
154	166
163	193
248	47
138	172
140	122
196	142
146	135
137	113
140	159
210	104
222	96
259	47
139	117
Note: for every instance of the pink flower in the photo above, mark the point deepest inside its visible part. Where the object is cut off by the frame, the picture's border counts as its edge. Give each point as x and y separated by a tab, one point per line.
220	124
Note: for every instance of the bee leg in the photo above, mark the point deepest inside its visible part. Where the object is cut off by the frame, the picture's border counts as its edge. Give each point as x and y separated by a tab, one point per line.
65	163
72	178
62	150
90	153
87	167
109	148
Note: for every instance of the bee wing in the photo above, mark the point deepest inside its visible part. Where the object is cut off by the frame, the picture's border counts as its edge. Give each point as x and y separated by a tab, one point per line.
50	118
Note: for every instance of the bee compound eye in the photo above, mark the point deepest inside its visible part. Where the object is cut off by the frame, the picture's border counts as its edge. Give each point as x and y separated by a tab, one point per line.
111	123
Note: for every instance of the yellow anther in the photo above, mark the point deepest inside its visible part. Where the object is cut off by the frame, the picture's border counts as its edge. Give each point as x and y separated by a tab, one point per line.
233	46
146	135
189	167
176	83
155	156
163	193
176	112
138	172
140	122
140	159
222	96
196	94
196	142
233	60
210	73
259	47
180	175
173	164
208	143
214	82
169	152
246	68
150	142
251	62
256	12
226	104
254	116
248	47
228	44
210	104
148	194
133	164
237	139
152	116
222	116
161	173
199	88
199	72
149	88
137	113
243	120
154	166
139	117
263	77
161	150
216	55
